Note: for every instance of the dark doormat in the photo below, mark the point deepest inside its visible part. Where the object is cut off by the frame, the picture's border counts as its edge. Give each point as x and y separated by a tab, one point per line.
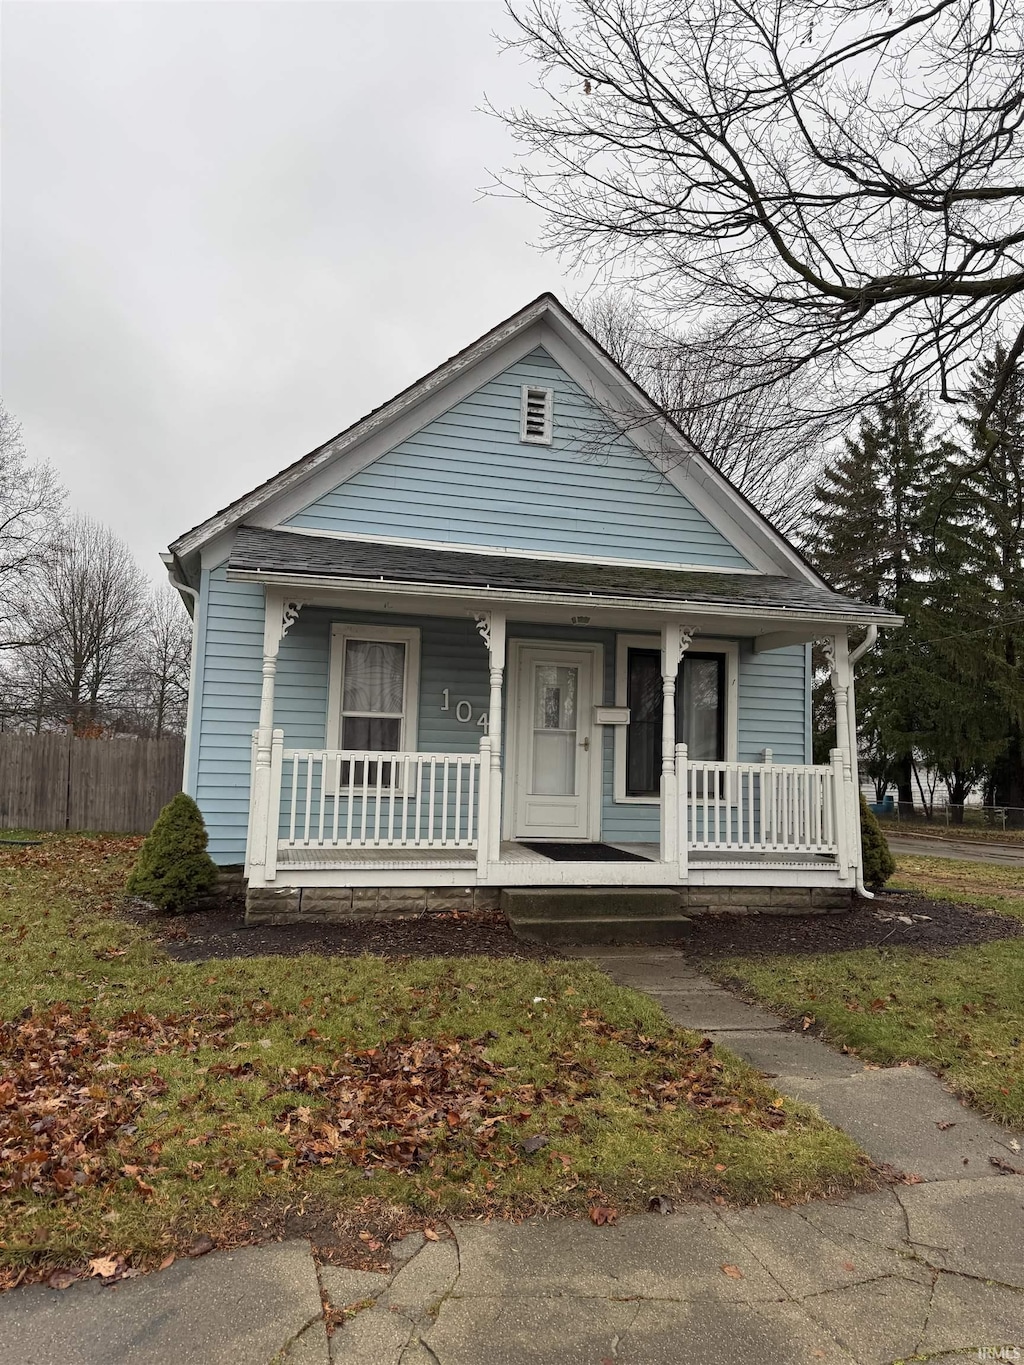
584	853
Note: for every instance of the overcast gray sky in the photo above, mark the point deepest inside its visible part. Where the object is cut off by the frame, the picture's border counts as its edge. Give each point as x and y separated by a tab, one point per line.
230	229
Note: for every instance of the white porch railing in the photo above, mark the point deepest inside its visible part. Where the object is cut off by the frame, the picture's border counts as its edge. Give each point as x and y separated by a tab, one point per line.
356	799
761	807
327	800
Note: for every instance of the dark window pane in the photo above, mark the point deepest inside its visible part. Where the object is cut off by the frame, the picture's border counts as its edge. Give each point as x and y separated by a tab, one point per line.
700	714
643	734
383	733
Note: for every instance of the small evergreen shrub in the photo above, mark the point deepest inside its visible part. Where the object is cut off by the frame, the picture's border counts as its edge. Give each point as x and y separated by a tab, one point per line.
173	868
879	864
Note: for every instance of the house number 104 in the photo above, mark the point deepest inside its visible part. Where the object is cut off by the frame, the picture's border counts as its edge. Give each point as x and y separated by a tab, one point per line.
463	709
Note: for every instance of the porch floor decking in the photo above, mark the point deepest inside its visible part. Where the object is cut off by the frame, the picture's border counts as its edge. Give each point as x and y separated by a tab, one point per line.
410	859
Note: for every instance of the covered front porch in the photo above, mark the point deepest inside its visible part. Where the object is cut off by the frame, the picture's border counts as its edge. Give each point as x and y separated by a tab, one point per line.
543	796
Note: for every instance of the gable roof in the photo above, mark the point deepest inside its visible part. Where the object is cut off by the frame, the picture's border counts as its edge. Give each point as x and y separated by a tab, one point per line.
627	393
299	558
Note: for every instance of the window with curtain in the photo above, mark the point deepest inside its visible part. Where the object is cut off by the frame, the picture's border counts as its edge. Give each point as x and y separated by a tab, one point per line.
373	695
700	714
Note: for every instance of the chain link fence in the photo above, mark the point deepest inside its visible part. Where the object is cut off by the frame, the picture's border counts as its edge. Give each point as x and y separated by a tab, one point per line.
942	816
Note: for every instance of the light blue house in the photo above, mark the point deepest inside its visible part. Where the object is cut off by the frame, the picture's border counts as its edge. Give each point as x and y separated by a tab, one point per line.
512	630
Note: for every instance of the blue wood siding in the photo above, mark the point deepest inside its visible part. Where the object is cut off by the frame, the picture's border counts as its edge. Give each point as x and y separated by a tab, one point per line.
772	706
466	478
228	710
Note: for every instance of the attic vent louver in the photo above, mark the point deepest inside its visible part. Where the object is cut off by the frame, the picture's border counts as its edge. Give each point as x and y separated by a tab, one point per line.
535	416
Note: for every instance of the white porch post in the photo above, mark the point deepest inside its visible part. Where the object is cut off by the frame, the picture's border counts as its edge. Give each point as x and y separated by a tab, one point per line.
837	655
682	812
491	626
264	798
675	641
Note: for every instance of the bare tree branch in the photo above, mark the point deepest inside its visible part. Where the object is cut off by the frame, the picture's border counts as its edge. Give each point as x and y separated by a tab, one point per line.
30	500
768	440
842	175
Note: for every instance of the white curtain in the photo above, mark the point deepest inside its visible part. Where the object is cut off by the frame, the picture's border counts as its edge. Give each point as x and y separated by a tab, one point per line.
374	677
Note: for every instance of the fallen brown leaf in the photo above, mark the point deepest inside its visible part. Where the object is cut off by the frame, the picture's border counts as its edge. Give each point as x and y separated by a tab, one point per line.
601	1214
733	1271
63	1279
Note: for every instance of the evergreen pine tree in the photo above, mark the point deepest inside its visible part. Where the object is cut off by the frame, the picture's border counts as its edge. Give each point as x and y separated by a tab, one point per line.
173	869
987	495
868	540
961	730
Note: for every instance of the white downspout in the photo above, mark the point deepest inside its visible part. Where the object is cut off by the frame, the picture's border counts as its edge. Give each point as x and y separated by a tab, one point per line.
865	647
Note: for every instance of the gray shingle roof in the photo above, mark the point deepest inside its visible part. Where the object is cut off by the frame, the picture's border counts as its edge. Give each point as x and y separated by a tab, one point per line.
289	553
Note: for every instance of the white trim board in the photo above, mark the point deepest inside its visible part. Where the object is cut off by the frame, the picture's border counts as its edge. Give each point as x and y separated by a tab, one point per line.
638	419
514	552
309	586
341	458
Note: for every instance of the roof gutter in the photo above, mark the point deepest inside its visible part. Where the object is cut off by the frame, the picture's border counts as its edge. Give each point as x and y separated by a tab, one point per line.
316	582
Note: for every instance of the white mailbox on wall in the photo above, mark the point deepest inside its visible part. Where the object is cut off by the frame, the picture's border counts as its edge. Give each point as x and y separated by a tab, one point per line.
611	715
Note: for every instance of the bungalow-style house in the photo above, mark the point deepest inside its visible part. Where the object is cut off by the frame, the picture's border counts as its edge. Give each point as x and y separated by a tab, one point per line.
512	631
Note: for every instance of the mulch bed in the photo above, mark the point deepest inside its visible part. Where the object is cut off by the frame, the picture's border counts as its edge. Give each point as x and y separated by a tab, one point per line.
222	933
934	926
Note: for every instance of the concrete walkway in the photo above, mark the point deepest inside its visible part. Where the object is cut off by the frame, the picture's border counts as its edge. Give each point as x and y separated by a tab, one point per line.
902	1116
929	1270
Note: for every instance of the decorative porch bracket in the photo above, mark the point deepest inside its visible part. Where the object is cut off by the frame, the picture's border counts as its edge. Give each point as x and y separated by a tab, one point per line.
264	800
491	625
675	641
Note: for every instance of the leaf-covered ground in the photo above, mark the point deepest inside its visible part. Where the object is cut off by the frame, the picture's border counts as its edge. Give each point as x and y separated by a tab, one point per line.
959	1012
146	1103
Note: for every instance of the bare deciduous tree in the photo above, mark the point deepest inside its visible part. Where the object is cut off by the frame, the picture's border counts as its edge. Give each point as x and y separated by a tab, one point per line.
88	620
769	442
30	499
158	693
843	176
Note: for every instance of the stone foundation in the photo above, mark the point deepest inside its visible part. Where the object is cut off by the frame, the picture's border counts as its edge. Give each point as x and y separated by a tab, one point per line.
764	900
336	904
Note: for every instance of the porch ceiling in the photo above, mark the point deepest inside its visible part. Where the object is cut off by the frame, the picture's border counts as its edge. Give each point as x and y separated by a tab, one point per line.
307	563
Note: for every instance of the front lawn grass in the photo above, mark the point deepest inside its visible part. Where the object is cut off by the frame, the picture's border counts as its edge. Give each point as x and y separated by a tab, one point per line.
145	1101
994	886
959	1012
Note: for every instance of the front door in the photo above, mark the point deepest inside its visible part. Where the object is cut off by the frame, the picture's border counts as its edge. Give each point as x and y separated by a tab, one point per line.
554	756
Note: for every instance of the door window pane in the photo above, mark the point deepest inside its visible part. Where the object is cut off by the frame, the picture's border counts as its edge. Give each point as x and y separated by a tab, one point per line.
555	690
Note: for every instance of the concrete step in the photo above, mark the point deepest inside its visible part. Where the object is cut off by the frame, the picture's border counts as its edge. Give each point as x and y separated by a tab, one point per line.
601	929
581	902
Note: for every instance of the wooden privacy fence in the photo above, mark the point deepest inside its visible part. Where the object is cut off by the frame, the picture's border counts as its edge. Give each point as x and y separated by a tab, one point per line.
59	781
